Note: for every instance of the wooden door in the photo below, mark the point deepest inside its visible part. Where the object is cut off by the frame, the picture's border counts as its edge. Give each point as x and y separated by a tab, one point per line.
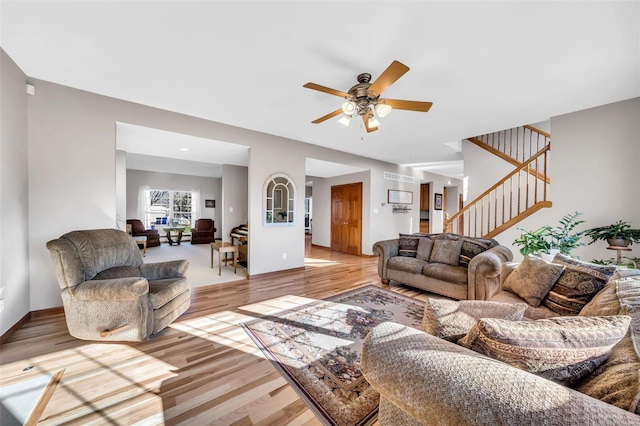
346	218
424	196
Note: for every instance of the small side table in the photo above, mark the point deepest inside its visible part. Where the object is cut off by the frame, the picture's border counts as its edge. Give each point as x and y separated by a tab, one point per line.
224	247
178	231
619	251
141	241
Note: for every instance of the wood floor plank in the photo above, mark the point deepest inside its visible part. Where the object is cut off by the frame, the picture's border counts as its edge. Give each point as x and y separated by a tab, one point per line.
202	369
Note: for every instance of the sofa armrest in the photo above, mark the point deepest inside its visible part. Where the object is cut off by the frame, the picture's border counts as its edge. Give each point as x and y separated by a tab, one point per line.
484	272
115	289
385	250
438	382
507	268
162	270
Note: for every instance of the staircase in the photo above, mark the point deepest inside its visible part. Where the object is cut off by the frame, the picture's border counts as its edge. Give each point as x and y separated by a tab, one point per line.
516	196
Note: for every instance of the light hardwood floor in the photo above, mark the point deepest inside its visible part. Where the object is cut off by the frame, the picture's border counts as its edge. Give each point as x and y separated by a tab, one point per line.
203	369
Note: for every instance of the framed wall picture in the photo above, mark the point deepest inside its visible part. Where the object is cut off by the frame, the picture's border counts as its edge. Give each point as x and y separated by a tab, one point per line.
211	204
399	197
438	201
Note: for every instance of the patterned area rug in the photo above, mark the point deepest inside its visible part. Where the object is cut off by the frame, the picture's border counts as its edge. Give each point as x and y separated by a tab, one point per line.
316	347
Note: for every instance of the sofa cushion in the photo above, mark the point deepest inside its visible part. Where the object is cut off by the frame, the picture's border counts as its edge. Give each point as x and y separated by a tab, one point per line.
406	264
446	251
617	381
451	319
408	245
532	279
579	282
541	312
440	271
563	349
425	245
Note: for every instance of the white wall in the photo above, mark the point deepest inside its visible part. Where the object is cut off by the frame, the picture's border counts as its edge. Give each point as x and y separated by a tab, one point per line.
437	182
121	189
14	204
72	168
594	170
210	189
235	182
72	158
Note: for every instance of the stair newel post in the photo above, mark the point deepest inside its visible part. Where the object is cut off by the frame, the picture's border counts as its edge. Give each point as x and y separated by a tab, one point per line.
545	170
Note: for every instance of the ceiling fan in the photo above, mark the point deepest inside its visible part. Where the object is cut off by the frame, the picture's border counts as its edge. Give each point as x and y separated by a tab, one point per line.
364	98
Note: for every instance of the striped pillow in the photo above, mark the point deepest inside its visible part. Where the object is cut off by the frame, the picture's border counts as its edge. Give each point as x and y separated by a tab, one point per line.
577	285
408	245
563	349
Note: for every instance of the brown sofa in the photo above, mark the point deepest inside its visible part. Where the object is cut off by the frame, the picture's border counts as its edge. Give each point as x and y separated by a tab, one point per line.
477	265
138	230
425	380
109	293
203	231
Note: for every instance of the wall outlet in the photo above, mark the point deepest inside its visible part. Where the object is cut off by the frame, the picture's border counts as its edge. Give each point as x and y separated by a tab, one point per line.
230	209
375	211
284	256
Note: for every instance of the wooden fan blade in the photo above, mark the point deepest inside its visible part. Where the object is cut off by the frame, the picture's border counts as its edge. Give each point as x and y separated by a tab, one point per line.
365	118
388	77
324	89
328	116
408	105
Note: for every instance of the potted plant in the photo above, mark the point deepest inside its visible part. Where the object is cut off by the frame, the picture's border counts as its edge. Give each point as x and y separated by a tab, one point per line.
549	241
617	234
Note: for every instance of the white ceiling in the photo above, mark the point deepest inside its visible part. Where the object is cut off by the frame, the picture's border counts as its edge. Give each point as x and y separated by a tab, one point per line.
327	169
486	66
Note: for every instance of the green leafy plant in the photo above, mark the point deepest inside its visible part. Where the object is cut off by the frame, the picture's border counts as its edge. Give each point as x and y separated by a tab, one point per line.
534	241
563	237
619	230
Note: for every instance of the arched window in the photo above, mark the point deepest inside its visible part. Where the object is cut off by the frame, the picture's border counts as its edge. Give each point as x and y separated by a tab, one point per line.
279	201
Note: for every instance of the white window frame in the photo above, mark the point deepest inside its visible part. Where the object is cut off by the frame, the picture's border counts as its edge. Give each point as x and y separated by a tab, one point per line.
170	213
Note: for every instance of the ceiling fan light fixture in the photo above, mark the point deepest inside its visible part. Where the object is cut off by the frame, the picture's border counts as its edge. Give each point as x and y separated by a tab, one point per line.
348	107
383	109
373	122
345	119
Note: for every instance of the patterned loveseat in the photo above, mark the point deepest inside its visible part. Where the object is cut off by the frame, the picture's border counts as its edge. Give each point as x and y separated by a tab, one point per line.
423	379
447	264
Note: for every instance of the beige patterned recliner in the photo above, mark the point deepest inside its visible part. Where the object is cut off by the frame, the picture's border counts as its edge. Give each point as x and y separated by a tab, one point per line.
108	292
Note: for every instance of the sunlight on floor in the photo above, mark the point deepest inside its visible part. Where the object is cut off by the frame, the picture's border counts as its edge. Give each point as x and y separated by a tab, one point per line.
133	380
319	263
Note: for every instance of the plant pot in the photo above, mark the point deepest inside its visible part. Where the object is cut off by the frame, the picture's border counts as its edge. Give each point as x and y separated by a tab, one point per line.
549	256
618	242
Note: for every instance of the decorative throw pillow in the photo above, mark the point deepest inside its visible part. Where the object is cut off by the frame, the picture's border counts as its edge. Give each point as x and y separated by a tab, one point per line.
617	381
446	251
577	285
563	349
472	247
408	245
532	279
424	248
451	320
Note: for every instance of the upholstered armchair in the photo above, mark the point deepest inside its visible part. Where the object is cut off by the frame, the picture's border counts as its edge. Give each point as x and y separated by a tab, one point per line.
108	292
202	232
138	230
